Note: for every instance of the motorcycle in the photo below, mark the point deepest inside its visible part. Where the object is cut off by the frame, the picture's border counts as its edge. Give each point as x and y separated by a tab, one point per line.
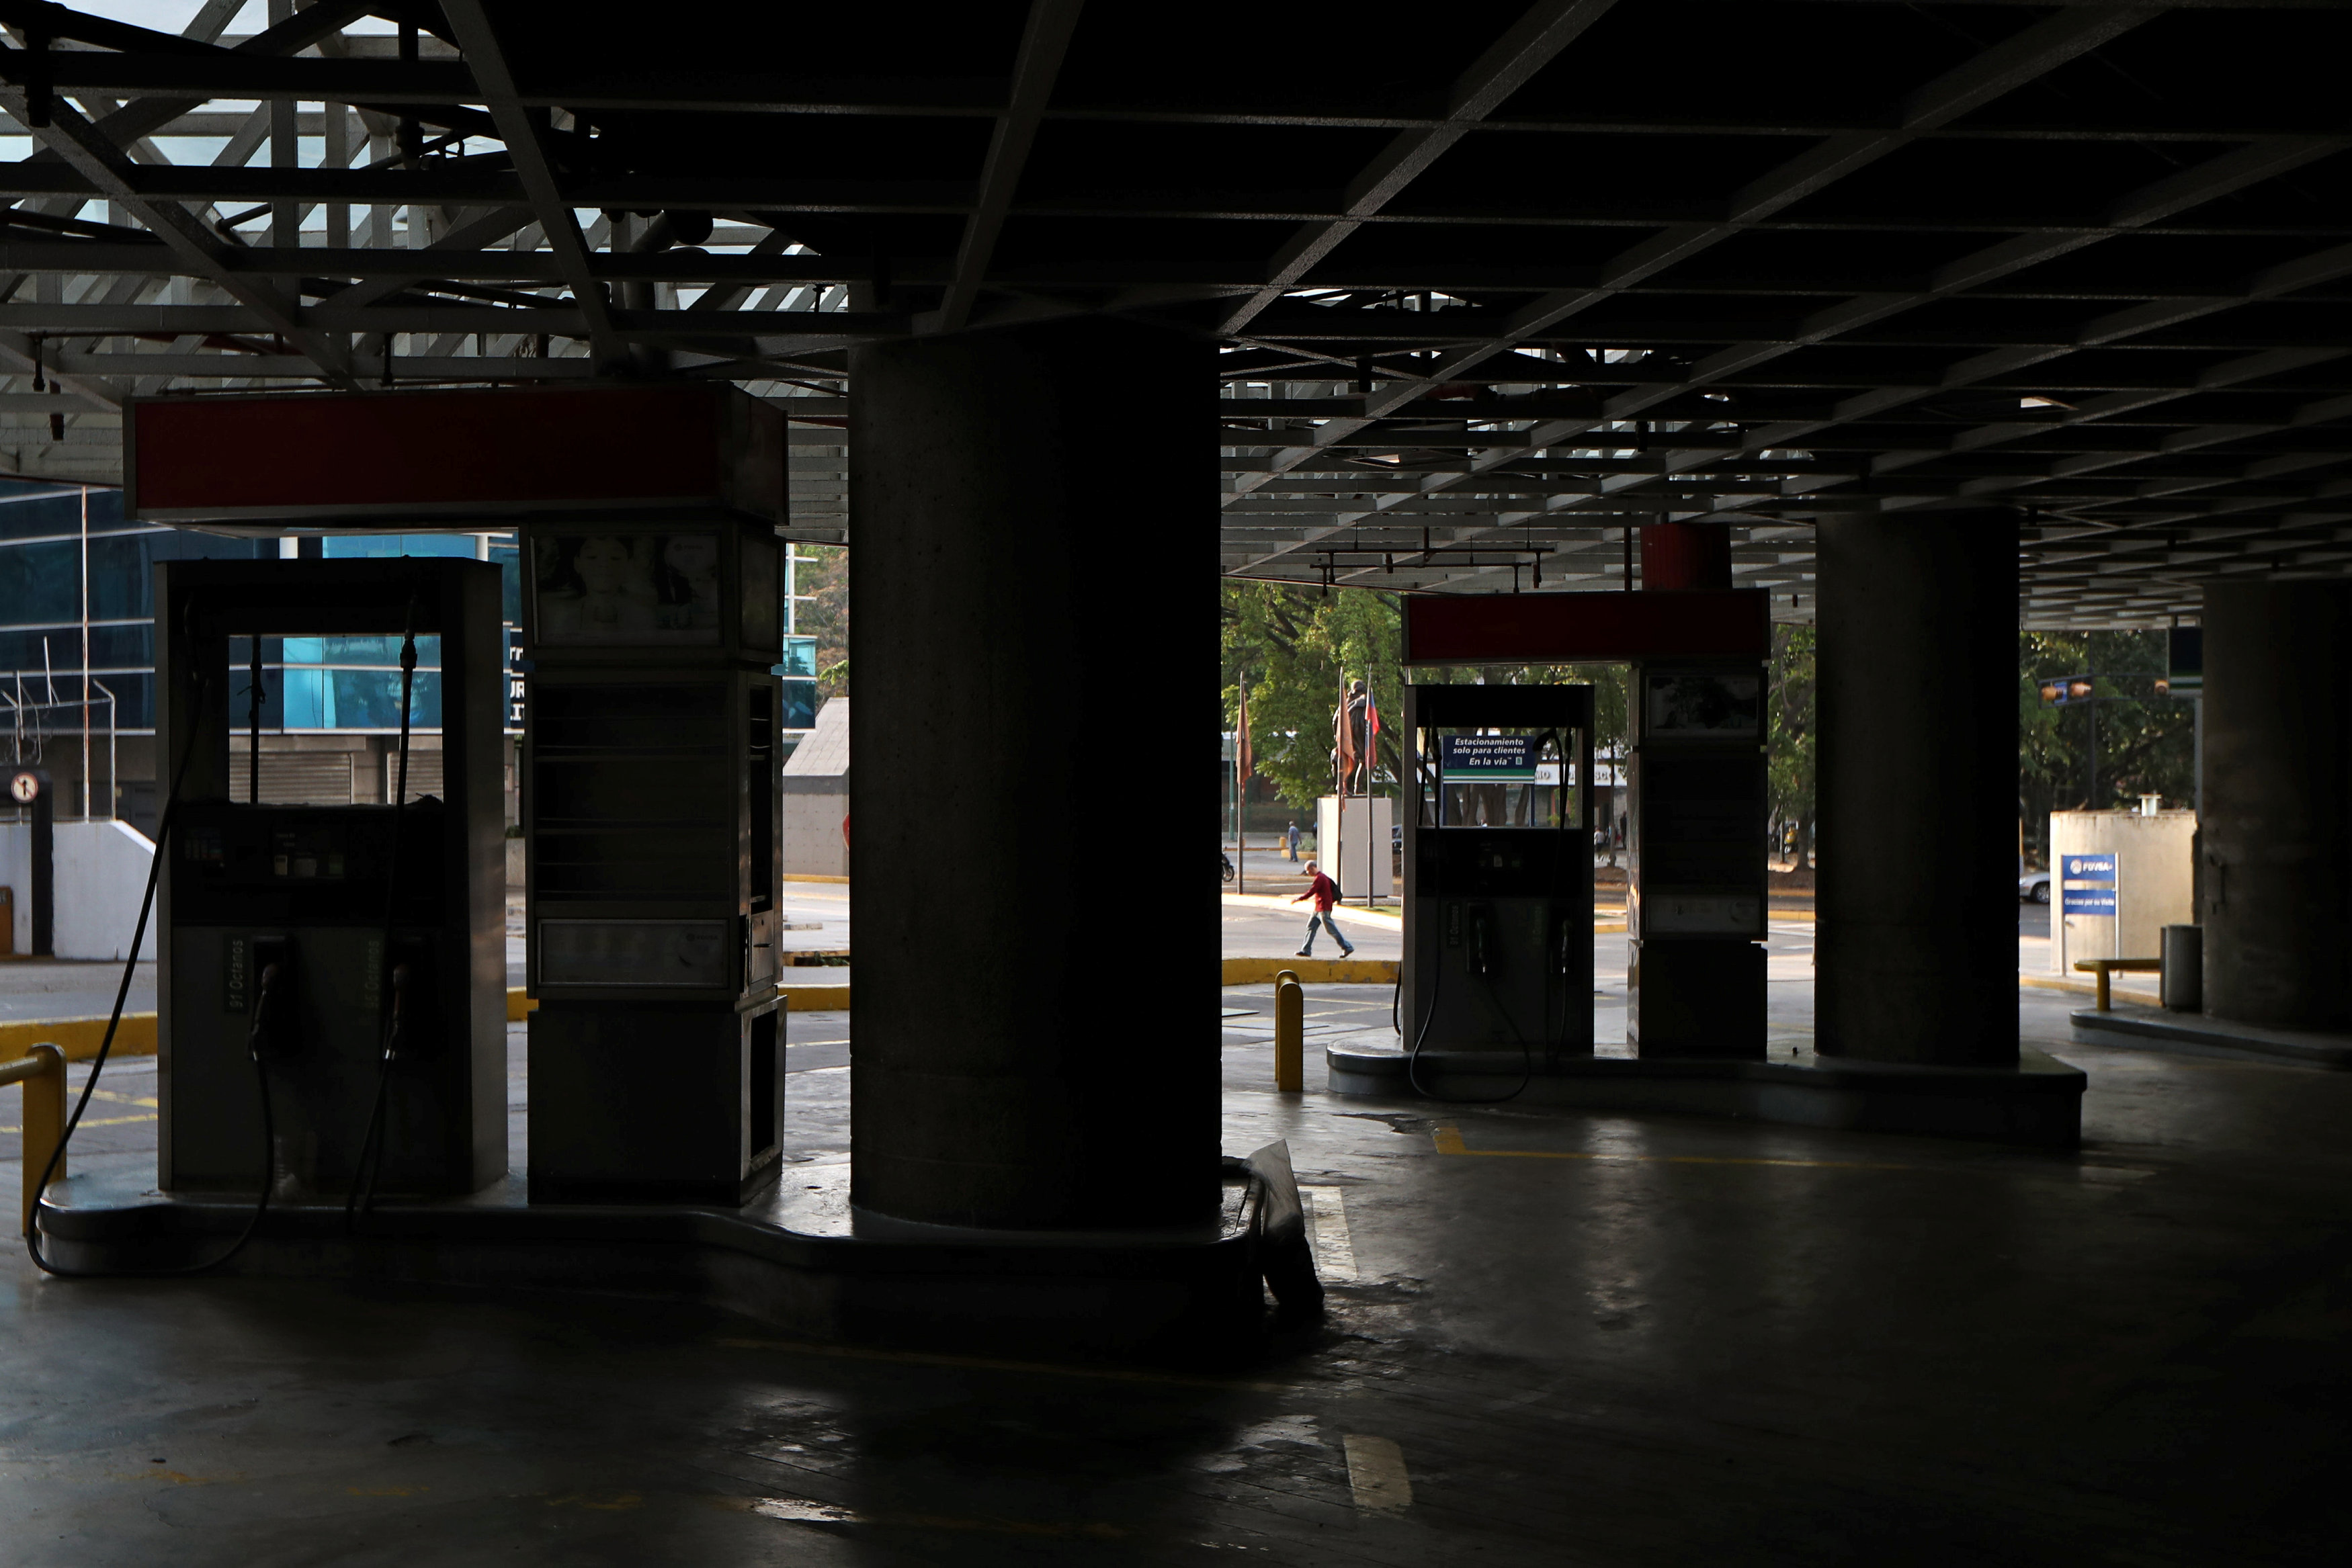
1228	860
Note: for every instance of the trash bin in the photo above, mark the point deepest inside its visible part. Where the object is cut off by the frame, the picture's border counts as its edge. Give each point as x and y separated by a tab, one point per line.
2184	968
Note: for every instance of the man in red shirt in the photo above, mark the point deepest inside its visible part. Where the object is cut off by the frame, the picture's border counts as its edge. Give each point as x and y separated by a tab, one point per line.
1325	893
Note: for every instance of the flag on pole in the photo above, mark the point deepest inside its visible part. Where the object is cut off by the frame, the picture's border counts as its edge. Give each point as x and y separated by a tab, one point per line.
1371	736
1242	789
1346	737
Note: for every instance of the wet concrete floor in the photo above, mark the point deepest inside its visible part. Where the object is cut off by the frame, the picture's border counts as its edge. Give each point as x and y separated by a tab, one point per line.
1587	1338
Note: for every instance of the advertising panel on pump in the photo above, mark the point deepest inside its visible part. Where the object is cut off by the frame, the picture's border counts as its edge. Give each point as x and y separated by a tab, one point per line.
626	590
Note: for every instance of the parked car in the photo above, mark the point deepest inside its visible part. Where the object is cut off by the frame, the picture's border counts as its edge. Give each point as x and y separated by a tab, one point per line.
2033	887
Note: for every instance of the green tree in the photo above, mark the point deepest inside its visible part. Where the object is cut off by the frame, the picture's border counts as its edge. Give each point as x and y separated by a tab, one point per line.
1297	647
2146	743
821	587
1789	739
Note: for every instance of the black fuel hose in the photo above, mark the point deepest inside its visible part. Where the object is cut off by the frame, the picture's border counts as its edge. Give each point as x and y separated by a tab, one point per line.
106	1050
370	1155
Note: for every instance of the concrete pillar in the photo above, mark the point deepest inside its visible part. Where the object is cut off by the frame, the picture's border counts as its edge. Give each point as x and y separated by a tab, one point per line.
2276	900
1034	640
1916	702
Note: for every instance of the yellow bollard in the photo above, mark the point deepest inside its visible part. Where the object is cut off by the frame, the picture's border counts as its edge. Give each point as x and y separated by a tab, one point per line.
1289	1035
43	1074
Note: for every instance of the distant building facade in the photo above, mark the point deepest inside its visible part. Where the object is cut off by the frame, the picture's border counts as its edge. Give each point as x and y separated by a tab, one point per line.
77	662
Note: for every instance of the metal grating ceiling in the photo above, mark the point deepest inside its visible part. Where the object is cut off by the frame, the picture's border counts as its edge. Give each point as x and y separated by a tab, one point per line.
1491	282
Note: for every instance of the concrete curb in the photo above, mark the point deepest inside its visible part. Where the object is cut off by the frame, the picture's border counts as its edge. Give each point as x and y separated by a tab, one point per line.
1311	971
77	1038
2080	988
2153	1028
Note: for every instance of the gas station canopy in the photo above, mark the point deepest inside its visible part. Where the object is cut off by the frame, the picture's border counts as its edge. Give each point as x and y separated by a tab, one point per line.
1488	282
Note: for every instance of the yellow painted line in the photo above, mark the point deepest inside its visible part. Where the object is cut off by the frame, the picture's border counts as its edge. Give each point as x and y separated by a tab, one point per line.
985	1363
77	1038
802	1000
177	1478
2084	987
1448	1140
616	1503
98	1122
811	877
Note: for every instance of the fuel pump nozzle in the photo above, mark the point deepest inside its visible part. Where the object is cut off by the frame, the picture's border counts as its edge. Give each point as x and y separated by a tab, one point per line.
269	1037
257	1031
396	1034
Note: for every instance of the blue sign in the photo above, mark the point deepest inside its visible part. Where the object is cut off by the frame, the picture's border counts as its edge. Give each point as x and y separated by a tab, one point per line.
2087	901
2089	867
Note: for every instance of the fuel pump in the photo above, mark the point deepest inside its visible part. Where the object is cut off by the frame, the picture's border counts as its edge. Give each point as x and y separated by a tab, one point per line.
355	952
1497	839
1695	912
653	863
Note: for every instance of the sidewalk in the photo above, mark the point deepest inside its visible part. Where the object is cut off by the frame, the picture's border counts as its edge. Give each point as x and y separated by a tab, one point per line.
70	989
1256	927
2034	973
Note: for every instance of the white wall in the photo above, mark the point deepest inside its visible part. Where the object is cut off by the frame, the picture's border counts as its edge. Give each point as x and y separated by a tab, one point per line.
812	843
815	783
1344	864
2154	876
101	873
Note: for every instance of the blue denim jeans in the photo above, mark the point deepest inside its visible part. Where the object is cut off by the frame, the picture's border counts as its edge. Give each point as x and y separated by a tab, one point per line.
1323	921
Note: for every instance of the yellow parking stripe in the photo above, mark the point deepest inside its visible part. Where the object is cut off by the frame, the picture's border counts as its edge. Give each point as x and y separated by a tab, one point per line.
98	1122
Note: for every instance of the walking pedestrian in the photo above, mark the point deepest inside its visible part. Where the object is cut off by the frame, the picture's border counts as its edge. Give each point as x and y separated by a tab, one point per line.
1325	893
1290	839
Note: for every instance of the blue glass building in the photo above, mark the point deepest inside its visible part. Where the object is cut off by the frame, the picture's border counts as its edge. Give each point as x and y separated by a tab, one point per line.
72	568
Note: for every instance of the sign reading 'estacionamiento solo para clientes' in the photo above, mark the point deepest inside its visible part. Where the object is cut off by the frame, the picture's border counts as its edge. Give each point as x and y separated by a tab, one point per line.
1493	760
